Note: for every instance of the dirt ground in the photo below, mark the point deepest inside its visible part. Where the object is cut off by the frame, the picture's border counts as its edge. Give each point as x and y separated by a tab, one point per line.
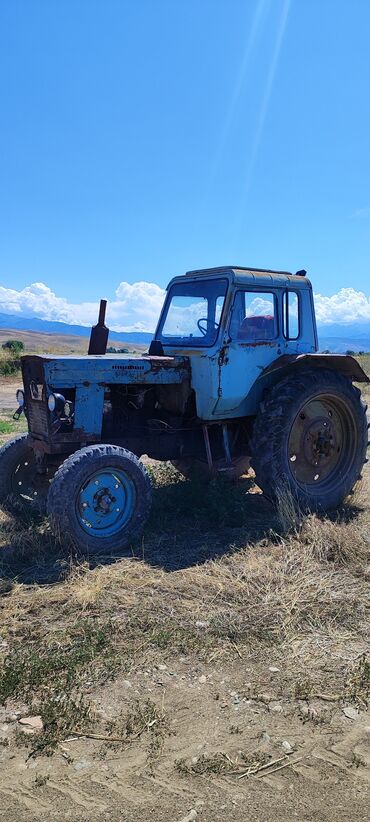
85	780
253	695
8	390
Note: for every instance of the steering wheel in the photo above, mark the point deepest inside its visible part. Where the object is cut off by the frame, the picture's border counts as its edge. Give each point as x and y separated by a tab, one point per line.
208	322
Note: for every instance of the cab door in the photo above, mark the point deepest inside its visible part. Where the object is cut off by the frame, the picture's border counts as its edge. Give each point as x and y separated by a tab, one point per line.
254	342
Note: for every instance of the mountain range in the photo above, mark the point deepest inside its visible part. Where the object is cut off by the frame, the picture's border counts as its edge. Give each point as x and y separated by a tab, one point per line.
335	337
341	337
11	321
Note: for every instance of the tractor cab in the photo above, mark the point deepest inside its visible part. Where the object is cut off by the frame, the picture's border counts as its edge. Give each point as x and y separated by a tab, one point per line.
232	323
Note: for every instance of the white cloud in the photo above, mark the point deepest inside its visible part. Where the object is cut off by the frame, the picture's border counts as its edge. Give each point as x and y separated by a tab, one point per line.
346	306
260	307
137	306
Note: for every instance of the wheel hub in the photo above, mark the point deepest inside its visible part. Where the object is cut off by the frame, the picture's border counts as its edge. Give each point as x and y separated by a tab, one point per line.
105	502
316	441
319	441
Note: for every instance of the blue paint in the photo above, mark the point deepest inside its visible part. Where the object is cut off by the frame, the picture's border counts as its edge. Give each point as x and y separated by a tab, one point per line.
106	502
69	371
89	406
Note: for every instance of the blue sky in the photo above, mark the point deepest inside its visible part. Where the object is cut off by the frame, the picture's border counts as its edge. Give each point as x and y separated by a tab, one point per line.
141	138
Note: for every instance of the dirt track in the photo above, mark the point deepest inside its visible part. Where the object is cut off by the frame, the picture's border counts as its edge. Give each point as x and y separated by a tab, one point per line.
7	394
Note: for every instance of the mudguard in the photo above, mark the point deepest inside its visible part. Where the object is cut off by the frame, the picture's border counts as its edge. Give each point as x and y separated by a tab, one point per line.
343	363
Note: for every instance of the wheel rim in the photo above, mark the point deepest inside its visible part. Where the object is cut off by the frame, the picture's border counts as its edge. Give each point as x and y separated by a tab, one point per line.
26	483
105	502
322	443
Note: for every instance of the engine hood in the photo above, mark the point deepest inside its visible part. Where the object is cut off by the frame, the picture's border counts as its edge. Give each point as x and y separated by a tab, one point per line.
69	371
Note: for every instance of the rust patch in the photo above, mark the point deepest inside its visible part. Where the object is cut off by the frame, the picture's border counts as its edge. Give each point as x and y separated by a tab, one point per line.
222	357
192	352
62	443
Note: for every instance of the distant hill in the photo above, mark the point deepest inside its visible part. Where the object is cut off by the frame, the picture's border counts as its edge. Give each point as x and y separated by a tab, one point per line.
50	327
336	337
339	345
355	330
347	336
39	342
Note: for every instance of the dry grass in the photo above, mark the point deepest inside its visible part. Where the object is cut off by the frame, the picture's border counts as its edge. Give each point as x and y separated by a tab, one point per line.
313	579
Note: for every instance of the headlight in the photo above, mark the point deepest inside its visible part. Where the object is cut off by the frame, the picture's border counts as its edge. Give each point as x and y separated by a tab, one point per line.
20	397
56	403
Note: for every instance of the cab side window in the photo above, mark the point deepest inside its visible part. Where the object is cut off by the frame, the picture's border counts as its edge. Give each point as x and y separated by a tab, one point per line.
291	318
254	316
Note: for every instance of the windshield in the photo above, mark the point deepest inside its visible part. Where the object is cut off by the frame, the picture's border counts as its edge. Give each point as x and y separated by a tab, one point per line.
192	313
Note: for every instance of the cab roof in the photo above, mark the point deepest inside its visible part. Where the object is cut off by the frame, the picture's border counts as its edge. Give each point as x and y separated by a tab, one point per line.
250	275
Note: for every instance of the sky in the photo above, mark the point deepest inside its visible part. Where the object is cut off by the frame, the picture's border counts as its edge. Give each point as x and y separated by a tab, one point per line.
143	138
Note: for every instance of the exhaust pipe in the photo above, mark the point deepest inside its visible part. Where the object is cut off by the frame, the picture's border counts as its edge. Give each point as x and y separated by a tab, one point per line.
99	332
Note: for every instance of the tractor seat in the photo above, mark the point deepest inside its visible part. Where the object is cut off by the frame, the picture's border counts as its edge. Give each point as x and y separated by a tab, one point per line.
257	328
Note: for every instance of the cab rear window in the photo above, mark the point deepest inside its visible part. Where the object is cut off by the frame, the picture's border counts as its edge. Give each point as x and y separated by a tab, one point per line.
254	316
291	318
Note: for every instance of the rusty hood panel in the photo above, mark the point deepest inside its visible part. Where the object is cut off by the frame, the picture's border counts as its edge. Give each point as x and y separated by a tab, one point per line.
70	371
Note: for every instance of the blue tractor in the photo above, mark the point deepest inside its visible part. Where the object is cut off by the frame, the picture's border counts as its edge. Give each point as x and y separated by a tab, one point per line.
232	380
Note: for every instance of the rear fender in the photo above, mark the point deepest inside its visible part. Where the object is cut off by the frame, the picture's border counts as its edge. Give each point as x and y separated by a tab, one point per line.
279	369
342	363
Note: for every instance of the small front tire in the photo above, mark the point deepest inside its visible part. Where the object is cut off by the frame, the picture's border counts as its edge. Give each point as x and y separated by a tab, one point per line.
100	498
22	489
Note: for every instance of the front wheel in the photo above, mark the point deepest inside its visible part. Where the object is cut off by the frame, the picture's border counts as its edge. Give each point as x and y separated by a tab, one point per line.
100	497
310	439
22	488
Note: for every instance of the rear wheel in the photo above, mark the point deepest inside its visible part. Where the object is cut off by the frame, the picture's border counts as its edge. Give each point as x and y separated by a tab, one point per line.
22	488
310	436
100	497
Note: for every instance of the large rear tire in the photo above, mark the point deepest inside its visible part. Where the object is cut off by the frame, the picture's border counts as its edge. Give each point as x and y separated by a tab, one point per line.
100	499
22	489
310	438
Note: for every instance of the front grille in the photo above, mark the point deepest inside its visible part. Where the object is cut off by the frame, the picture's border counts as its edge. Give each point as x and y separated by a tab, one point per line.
38	422
35	395
42	424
